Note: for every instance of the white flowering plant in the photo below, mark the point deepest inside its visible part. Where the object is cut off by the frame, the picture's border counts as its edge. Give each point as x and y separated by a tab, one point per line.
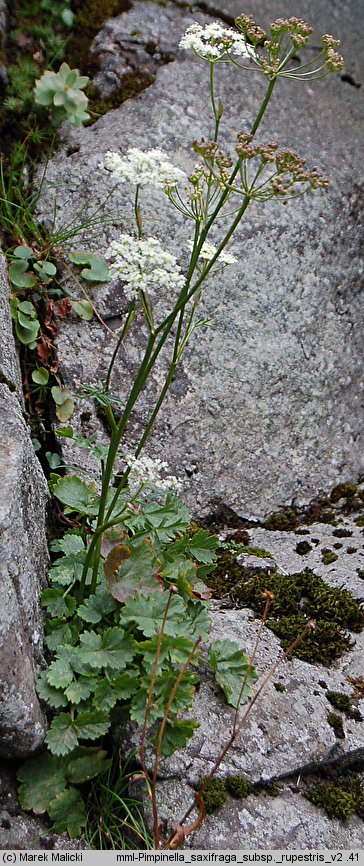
129	601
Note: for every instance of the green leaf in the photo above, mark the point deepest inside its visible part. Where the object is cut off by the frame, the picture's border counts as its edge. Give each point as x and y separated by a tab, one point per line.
42	779
163	686
83	309
230	665
96	607
148	614
92	725
135	573
85	763
40	376
60	673
64	403
67	432
199	621
20	276
68	813
54	459
80	690
67	569
110	649
62	735
57	604
73	492
54	697
173	650
176	735
60	633
23	252
97	270
203	546
120	688
69	544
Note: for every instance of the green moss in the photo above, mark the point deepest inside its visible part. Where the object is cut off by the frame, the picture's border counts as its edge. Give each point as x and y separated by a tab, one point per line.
343	491
279	687
328	556
351	549
215	796
298	598
336	723
360	520
282	520
238	787
336	802
226	574
303	547
339	700
343	703
342	533
241	536
339	794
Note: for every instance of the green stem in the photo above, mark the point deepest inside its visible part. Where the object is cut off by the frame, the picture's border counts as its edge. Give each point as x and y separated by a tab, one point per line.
137	212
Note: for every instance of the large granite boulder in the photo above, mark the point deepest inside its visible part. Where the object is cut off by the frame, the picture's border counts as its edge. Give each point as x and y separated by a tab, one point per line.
266	406
23	557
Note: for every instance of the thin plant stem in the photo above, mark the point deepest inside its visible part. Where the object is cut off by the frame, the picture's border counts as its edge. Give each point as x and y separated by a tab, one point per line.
237	730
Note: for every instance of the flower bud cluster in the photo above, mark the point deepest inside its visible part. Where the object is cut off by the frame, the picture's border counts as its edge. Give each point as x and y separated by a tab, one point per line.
208	251
246	150
214	156
249	28
291	170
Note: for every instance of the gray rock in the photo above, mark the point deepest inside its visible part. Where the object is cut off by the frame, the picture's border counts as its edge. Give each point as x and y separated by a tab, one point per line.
286	731
9	363
266	404
138	43
285	822
24	559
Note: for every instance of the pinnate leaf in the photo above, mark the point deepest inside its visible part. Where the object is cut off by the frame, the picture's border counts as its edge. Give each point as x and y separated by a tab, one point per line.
176	735
133	574
68	812
231	665
42	778
148	613
110	649
62	735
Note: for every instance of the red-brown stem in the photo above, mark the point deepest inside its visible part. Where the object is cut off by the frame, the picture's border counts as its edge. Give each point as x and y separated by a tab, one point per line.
268	602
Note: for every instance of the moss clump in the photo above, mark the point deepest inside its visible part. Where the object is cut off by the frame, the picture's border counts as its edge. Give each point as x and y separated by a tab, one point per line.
360	520
226	574
343	491
358	685
339	794
328	556
260	552
336	723
303	547
343	703
282	520
297	599
342	533
336	802
279	687
238	787
351	549
215	796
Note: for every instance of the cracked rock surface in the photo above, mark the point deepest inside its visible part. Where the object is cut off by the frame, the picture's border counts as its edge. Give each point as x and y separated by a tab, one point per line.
267	404
23	558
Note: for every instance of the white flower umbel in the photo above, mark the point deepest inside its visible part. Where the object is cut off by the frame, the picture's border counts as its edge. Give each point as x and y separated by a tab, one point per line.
213	42
143	265
145	168
145	471
209	250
